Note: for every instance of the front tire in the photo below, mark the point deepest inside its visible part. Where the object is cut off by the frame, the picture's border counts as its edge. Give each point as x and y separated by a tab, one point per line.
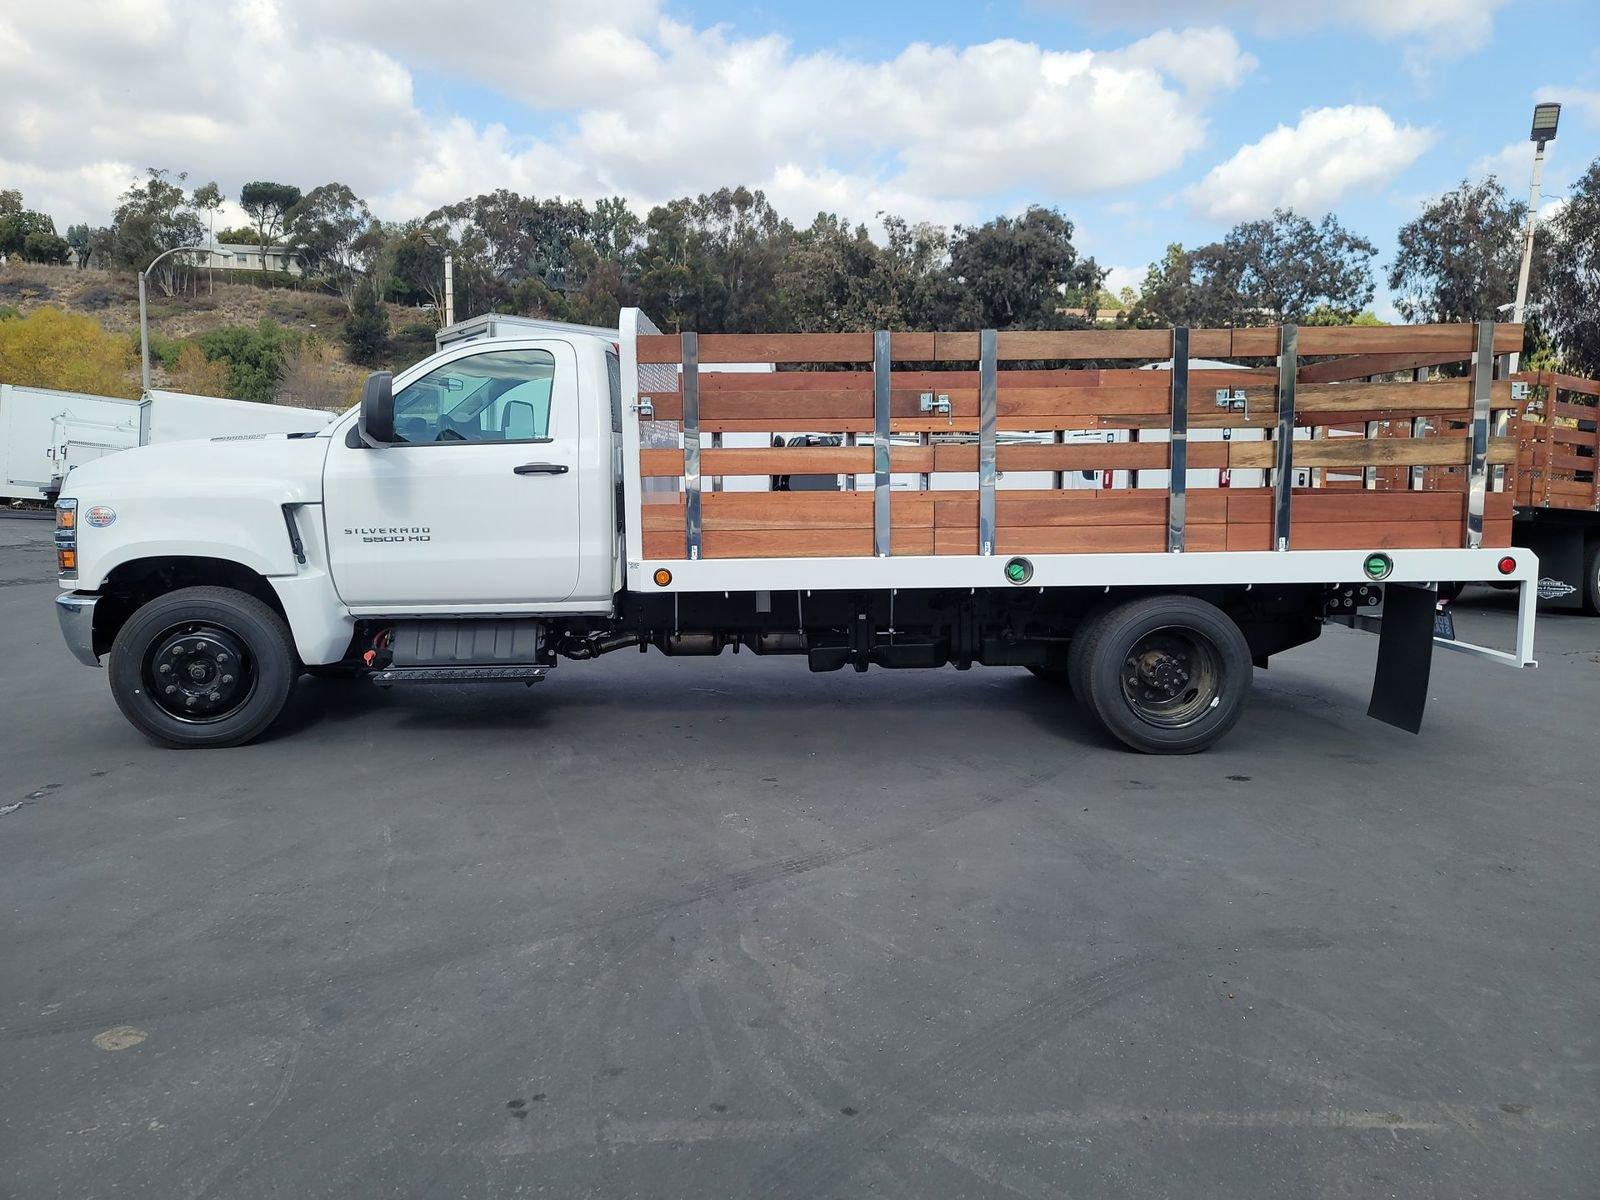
1166	674
203	666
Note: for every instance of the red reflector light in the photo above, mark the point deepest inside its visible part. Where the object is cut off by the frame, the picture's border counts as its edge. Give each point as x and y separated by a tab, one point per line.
1507	565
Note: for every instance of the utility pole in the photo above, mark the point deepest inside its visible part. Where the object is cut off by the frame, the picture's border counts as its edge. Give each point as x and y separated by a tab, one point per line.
1545	119
449	276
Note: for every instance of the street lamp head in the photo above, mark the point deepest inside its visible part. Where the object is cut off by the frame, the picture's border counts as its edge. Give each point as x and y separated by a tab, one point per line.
430	240
1545	119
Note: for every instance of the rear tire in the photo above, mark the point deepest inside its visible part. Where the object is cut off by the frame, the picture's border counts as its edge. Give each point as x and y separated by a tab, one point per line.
1591	578
203	666
1166	674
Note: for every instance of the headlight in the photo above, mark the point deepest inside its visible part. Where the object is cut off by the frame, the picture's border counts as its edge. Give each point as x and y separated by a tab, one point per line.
67	538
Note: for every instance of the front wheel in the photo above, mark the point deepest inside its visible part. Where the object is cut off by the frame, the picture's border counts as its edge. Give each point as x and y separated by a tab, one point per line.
1166	674
1591	579
203	666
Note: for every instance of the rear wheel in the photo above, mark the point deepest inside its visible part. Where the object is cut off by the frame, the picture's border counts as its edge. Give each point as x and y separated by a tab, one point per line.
1166	674
203	666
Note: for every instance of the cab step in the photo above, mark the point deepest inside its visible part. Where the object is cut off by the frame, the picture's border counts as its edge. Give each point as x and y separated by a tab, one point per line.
517	673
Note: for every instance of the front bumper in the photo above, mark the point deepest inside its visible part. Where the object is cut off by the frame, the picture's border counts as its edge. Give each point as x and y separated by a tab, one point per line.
76	614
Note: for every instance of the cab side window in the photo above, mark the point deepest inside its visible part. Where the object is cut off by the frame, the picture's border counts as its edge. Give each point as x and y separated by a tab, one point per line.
496	396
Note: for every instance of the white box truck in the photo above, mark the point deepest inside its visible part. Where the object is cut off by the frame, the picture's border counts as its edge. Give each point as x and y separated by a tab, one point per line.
44	433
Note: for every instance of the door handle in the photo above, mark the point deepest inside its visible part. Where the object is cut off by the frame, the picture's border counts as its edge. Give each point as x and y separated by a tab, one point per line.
540	469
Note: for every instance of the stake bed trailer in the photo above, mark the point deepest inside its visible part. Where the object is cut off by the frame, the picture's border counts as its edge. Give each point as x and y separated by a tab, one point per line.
536	492
1557	512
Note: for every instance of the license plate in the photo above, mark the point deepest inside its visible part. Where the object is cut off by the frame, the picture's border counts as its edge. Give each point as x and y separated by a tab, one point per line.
1444	625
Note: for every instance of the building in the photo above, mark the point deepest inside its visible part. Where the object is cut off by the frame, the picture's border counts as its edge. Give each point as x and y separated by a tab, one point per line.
228	256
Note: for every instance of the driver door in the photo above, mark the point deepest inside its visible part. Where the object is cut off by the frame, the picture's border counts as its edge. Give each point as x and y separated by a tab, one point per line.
477	503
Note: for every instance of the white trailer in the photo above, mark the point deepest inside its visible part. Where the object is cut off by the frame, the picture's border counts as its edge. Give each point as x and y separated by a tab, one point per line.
44	433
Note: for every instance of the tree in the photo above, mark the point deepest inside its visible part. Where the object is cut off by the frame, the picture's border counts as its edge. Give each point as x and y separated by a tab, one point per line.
414	268
49	348
366	332
1268	272
46	248
1013	272
326	229
268	204
153	216
10	202
207	198
80	240
237	235
1569	307
712	262
31	236
1458	260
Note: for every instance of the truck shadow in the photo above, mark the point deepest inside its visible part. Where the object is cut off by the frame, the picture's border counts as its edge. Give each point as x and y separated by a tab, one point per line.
611	703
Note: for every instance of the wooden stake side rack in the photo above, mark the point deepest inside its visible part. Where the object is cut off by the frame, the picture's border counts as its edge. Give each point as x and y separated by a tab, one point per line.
1426	462
1559	443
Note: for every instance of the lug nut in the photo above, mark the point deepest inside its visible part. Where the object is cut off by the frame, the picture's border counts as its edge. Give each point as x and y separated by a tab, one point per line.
189	700
171	687
165	669
227	679
214	697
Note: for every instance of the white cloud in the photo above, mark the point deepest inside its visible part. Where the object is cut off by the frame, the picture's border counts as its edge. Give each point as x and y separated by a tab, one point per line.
1442	28
1119	277
1587	103
635	103
1309	166
1511	164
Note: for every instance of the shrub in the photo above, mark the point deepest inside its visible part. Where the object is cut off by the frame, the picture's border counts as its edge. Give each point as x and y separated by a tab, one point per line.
254	356
314	377
367	330
49	348
198	375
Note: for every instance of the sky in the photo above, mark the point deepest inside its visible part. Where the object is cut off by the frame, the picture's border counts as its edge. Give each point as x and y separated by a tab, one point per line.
1146	121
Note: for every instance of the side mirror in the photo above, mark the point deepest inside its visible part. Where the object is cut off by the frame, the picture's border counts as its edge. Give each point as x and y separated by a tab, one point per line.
376	423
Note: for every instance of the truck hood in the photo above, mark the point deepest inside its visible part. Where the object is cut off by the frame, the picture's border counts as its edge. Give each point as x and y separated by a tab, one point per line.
278	468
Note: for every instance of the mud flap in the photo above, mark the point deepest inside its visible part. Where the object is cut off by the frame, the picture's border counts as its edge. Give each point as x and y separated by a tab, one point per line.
1405	656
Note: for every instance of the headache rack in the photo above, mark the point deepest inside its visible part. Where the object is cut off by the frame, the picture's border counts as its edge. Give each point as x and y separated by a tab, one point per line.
1290	455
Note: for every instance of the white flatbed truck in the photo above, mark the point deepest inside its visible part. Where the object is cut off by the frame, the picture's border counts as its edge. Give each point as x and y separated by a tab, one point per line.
531	496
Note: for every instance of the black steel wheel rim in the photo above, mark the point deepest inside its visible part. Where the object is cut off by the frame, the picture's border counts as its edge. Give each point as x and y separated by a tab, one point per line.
1172	677
199	672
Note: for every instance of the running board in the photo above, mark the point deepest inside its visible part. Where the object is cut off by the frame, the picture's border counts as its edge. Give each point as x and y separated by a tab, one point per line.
522	673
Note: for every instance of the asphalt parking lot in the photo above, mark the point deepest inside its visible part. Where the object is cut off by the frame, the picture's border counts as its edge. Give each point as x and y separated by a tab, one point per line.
725	928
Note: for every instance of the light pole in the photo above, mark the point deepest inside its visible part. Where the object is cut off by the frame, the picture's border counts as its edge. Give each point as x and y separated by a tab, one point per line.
1545	119
144	324
449	278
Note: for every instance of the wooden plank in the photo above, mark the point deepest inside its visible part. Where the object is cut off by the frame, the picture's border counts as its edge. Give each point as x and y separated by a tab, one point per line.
1570	383
789	460
1575	412
1363	366
791	510
1046	509
761	348
1074	344
788	543
1313	506
1093	456
1375	339
1363	452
